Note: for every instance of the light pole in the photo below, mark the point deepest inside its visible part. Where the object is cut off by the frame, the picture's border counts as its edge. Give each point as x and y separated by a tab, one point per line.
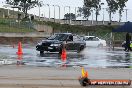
55	10
64	15
92	16
126	14
75	12
40	5
69	14
102	4
43	13
59	11
109	11
54	13
39	10
103	15
49	10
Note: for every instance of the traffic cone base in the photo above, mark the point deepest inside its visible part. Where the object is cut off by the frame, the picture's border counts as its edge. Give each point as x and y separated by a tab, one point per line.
19	53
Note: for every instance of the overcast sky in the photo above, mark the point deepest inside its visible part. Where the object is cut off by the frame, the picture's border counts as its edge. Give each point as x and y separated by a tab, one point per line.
73	4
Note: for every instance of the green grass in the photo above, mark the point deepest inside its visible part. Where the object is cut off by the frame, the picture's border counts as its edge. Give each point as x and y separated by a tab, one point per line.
8	29
10	25
78	28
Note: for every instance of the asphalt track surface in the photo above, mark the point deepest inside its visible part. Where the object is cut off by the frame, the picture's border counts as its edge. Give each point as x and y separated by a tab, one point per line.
60	77
49	71
89	57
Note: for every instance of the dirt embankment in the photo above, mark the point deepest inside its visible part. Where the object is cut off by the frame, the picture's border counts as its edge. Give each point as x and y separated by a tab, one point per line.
14	40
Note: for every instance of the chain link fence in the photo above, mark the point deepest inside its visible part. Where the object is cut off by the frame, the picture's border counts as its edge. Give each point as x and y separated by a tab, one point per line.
11	25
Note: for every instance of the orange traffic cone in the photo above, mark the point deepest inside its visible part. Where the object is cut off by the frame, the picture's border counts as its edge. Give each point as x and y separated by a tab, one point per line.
63	55
84	73
84	80
19	49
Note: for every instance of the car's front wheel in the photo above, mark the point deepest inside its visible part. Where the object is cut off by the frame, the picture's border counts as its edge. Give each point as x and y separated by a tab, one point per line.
100	45
60	51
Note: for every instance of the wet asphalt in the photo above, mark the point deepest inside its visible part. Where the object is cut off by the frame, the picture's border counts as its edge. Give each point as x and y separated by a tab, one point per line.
89	57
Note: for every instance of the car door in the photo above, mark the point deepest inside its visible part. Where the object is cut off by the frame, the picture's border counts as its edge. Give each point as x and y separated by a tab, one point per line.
69	43
72	42
76	42
92	41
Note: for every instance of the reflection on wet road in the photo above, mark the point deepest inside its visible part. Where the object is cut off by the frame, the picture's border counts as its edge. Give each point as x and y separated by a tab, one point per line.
89	57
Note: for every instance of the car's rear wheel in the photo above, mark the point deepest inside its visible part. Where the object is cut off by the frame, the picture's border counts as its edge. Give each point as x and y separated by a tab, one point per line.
80	49
41	52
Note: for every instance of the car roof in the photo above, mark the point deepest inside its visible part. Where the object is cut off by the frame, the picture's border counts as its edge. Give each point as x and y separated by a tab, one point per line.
89	36
64	33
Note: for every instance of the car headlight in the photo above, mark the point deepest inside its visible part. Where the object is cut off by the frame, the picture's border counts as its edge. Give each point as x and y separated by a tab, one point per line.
55	45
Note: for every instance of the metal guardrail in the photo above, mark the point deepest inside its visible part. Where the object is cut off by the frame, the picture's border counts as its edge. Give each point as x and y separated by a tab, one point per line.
81	22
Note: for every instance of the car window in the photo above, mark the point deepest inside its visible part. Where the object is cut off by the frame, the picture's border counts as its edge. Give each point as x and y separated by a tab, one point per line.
70	38
61	37
76	38
52	37
95	39
91	39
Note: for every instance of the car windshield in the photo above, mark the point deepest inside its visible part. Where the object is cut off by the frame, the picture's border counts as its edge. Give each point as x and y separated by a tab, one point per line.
60	37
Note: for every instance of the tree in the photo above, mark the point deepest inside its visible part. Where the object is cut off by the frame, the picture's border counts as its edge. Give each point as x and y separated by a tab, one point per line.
114	5
97	7
70	16
121	5
88	6
25	4
85	11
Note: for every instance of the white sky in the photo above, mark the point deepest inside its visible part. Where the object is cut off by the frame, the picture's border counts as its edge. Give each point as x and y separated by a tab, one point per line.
73	4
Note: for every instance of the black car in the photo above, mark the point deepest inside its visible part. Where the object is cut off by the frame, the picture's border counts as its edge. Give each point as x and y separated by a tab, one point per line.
56	42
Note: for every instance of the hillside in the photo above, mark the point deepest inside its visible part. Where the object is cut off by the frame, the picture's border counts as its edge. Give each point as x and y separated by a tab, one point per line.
10	25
